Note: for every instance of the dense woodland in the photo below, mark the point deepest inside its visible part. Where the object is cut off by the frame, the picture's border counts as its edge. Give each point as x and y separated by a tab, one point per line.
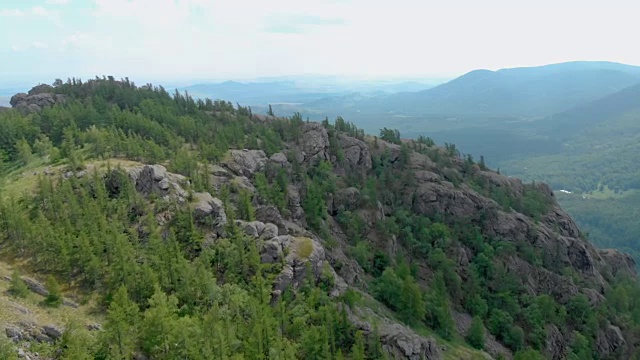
167	296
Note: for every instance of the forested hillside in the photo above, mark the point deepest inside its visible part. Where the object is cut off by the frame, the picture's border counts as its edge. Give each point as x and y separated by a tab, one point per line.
195	229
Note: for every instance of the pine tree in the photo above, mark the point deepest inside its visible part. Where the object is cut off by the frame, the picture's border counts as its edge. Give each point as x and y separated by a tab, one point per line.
270	112
18	288
54	298
475	336
357	350
120	333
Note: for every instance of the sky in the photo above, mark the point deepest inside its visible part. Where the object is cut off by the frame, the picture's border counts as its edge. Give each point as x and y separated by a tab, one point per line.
243	39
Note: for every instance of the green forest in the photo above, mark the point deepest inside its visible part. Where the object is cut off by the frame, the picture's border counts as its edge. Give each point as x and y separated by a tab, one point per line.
165	292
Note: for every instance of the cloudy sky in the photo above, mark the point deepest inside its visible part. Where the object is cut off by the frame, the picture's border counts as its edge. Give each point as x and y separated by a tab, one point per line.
223	39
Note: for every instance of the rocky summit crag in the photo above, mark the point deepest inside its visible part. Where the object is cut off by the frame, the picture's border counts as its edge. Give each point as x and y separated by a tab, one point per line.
295	239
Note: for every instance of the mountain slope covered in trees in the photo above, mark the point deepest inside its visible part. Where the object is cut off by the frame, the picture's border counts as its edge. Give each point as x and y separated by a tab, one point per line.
199	230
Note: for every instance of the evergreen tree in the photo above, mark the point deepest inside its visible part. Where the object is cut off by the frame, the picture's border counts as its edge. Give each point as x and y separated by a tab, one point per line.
18	288
119	338
475	336
357	350
54	298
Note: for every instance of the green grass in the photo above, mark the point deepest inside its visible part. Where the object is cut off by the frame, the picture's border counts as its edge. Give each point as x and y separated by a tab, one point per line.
22	181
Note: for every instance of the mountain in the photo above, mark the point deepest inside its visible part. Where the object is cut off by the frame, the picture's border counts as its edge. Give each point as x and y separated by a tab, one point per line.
136	224
592	113
533	91
297	90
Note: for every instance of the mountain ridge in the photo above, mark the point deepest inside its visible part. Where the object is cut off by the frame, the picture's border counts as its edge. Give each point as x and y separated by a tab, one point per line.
312	239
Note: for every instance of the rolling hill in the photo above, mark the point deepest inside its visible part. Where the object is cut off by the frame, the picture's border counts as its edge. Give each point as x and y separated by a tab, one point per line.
532	91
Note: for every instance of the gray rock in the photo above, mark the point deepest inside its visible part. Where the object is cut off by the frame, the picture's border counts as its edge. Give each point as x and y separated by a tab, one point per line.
271	252
253	228
13	333
619	262
270	231
35	101
356	153
315	142
243	183
270	214
52	331
35	286
609	341
279	159
217	170
94	327
42	88
209	210
294	205
163	184
245	162
555	344
21	309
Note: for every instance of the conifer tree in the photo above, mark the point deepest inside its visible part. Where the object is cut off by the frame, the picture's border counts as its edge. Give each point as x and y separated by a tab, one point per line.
120	334
18	288
54	298
475	336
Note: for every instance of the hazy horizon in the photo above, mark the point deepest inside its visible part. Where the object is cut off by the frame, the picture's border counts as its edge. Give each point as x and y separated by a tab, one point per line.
167	40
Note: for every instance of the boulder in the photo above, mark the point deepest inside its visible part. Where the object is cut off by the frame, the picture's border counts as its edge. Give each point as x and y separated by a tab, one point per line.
609	341
356	153
42	88
36	100
13	333
52	331
315	142
401	342
35	286
294	205
279	160
245	162
253	228
270	231
150	179
209	210
218	170
618	262
398	341
555	347
270	214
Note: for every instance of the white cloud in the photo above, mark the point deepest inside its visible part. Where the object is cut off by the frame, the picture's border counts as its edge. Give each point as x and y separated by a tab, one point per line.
39	45
244	38
40	11
58	2
11	12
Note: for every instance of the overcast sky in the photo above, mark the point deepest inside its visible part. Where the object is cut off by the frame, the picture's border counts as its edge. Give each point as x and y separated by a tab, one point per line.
224	39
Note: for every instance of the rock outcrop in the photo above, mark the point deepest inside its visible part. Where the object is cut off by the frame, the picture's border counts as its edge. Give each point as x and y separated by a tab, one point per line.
38	98
245	162
209	211
610	342
619	263
398	341
154	179
314	143
356	153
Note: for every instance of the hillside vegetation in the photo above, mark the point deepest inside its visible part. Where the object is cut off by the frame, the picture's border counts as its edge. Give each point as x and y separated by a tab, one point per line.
204	231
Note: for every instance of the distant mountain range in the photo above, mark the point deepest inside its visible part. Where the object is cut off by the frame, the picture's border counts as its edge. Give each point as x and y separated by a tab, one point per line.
533	91
299	91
